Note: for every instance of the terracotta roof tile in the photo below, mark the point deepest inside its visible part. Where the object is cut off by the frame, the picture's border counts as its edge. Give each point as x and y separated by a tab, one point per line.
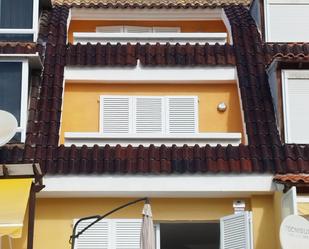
256	98
17	48
150	55
148	3
263	154
292	178
286	51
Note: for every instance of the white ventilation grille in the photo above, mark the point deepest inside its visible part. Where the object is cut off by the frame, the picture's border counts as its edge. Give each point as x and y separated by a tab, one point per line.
115	114
148	115
235	231
110	234
182	114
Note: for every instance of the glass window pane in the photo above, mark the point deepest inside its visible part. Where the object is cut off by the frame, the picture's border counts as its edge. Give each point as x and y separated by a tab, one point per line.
16	14
16	37
10	87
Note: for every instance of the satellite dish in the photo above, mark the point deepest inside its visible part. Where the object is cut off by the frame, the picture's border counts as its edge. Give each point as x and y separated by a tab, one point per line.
8	127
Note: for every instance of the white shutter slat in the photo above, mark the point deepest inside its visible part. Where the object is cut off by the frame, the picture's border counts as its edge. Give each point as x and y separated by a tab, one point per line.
235	231
115	114
182	114
297	110
166	30
137	29
96	237
127	234
109	29
148	115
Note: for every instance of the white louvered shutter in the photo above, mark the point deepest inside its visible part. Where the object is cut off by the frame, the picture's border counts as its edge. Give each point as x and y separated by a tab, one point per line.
148	113
236	231
96	237
182	114
166	29
127	233
115	114
109	29
289	203
137	29
297	91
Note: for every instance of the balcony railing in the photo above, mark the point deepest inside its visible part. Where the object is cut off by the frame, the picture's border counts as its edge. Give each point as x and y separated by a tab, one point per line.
151	38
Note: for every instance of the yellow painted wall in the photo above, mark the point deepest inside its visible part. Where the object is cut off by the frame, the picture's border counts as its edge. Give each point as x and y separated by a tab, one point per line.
277	213
186	26
264	222
81	104
54	216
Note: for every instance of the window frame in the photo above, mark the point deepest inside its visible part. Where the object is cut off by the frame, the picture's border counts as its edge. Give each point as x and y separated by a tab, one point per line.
285	76
165	113
35	24
23	95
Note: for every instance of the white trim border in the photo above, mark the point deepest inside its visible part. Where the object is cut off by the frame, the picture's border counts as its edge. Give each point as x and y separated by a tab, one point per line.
141	74
176	185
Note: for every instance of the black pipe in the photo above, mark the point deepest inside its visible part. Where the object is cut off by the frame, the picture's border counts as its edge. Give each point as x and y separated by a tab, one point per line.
98	218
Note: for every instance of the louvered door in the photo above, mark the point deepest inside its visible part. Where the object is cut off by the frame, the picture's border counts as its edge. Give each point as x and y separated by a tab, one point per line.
96	237
127	233
115	114
236	231
148	113
110	234
182	116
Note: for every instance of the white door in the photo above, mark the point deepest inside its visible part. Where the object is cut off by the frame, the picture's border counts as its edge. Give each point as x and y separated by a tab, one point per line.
236	231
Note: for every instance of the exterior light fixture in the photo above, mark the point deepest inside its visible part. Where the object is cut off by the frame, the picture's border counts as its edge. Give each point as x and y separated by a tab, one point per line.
221	107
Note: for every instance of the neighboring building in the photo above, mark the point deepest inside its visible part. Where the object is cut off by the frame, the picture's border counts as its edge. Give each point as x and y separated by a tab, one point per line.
165	99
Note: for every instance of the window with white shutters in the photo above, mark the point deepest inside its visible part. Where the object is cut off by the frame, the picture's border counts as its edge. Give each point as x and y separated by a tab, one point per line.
236	231
137	29
115	114
182	114
295	105
149	114
110	234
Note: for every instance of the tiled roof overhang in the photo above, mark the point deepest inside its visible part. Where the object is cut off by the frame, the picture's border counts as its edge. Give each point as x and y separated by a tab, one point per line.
148	3
292	179
289	52
150	55
18	48
265	153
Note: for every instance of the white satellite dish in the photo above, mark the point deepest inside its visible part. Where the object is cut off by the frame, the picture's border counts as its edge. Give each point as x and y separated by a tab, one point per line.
8	127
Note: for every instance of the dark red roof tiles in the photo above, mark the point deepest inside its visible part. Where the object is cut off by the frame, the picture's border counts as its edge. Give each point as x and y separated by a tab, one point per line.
149	55
254	88
17	48
286	51
263	154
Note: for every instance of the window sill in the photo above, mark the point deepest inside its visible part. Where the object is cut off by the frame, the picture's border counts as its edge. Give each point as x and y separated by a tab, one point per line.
91	138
